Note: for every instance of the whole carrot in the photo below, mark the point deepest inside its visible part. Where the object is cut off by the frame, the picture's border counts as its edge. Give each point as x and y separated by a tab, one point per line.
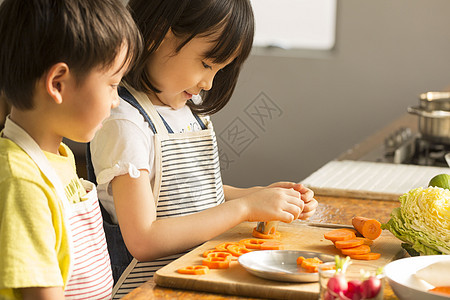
369	228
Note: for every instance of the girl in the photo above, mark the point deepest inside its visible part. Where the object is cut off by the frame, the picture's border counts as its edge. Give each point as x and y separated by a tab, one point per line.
156	159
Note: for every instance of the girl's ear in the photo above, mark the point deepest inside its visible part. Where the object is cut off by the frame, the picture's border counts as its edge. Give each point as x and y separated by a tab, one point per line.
56	81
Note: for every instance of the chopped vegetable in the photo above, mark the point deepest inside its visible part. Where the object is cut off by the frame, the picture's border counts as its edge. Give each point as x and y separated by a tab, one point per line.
252	243
441	180
311	265
348	243
442	290
219	262
223	247
205	254
238	250
366	241
366	256
370	287
339	235
260	235
361	249
194	270
369	228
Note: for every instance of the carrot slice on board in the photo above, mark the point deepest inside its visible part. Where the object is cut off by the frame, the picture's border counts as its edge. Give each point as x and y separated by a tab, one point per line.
194	270
226	255
223	246
217	262
369	228
366	241
367	256
361	249
272	245
205	254
260	235
252	243
340	234
348	243
238	250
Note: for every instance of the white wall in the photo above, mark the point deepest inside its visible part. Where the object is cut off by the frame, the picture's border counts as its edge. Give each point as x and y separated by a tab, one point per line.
386	53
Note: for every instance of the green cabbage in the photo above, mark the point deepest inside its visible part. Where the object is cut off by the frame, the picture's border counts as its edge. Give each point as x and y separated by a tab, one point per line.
423	220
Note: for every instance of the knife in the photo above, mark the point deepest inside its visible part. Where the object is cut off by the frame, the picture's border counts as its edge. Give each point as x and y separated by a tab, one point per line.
325	225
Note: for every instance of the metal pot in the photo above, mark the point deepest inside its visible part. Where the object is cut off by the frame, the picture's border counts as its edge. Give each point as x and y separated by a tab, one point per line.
434	116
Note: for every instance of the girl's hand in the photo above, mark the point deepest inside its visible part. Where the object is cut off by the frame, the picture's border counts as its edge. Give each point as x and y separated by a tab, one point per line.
307	195
273	204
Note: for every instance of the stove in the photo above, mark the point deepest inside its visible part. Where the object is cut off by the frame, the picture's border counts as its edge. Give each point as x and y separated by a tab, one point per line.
403	146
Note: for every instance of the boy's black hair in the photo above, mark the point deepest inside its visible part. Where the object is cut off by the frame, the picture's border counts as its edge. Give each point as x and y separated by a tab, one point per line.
233	19
36	34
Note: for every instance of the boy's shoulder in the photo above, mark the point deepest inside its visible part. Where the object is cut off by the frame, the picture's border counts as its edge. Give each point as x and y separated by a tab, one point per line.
14	162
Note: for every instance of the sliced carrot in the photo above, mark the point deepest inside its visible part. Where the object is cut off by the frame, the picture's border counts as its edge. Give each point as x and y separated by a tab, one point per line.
260	235
348	243
361	249
366	241
205	254
226	255
238	250
252	243
194	270
223	246
311	264
367	256
442	290
272	245
369	228
300	259
217	262
340	234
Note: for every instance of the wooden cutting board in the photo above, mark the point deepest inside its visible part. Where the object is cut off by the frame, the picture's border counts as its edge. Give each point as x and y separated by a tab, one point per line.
237	281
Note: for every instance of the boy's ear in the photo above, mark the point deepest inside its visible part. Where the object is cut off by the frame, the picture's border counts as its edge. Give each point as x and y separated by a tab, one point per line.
56	81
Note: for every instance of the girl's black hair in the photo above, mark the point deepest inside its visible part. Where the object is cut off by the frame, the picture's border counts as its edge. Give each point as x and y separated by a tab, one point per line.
233	19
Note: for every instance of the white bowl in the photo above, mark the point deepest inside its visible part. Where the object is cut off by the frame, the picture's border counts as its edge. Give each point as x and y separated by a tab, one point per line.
404	283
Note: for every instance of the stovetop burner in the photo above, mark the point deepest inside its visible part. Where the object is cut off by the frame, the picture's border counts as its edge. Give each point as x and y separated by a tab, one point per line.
404	147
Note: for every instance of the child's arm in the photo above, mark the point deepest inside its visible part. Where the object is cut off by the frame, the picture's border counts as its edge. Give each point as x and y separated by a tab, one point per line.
306	195
42	293
147	238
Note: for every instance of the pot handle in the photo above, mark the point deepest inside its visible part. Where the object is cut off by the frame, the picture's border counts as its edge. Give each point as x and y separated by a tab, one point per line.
429	114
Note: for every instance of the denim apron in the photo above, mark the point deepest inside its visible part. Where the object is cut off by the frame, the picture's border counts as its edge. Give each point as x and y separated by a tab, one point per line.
90	274
187	180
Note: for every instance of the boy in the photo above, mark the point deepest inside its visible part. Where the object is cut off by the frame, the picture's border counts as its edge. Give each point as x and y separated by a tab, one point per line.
60	64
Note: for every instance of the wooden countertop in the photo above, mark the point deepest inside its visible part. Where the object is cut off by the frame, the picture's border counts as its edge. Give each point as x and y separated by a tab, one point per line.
330	210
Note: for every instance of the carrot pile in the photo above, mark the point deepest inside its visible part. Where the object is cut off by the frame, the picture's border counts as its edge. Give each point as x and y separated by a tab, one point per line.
223	254
357	247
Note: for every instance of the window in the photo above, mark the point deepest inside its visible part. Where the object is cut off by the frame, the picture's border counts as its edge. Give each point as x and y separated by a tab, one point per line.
295	24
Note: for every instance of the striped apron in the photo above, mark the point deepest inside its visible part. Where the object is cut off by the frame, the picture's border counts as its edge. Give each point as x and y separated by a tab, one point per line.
187	179
90	274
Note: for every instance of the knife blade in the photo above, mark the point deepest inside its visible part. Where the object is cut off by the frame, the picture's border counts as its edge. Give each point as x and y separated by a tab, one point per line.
325	225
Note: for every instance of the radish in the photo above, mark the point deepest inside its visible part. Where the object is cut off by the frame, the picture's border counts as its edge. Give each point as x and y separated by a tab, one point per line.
370	287
337	284
353	292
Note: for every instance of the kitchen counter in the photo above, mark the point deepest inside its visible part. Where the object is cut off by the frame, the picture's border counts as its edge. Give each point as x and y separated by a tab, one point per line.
330	210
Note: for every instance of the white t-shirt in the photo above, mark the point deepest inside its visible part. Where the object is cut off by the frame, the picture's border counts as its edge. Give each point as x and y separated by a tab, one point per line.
125	144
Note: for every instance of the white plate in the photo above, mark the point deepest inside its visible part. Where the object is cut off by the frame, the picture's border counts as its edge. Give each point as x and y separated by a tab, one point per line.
404	283
281	265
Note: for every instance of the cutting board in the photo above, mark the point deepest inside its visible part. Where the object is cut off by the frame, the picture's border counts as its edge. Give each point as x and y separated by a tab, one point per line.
369	180
237	281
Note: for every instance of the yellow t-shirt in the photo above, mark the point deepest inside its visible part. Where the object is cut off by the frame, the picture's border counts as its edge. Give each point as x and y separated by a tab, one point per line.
34	247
